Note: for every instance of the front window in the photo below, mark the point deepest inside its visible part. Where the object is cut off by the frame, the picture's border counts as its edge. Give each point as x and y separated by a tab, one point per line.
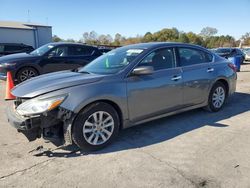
61	51
80	51
112	62
160	59
42	50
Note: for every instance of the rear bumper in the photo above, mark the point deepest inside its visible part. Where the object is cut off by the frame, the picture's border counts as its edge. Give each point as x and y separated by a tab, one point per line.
232	84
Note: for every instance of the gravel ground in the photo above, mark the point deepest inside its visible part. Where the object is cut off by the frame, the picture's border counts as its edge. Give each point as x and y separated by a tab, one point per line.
192	149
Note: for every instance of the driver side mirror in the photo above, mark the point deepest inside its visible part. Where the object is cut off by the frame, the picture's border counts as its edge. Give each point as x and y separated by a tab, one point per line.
143	70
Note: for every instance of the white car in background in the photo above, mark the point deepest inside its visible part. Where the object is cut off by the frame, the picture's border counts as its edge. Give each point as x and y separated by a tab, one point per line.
247	55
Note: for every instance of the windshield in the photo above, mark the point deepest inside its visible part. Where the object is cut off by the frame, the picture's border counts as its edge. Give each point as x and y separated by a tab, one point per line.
223	50
42	50
112	62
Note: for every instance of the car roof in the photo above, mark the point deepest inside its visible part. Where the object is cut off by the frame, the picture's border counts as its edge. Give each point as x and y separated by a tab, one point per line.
70	43
150	45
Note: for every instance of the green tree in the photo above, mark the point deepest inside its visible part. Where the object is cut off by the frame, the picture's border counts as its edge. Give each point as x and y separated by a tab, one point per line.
117	40
55	38
246	38
105	39
208	32
70	40
148	37
166	35
183	38
194	39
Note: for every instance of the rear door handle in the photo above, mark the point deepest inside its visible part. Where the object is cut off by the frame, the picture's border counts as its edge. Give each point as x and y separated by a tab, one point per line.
175	78
210	69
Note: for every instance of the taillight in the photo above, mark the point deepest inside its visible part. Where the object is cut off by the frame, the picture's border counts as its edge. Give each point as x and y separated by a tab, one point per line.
232	66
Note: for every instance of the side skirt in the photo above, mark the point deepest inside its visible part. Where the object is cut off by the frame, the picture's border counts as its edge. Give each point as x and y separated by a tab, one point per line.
127	123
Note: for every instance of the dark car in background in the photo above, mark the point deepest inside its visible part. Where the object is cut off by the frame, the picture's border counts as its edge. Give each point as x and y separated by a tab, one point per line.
104	50
124	87
230	52
48	58
13	48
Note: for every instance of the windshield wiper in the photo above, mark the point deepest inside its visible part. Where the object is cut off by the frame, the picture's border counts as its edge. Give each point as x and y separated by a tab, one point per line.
84	72
77	70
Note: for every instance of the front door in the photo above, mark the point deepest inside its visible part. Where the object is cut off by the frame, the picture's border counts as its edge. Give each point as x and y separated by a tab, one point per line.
56	60
158	93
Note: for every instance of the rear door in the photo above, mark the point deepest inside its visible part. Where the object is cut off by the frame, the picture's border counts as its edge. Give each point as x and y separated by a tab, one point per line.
159	93
197	74
81	55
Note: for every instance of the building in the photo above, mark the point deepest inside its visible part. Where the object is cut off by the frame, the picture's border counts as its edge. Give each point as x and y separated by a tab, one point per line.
31	34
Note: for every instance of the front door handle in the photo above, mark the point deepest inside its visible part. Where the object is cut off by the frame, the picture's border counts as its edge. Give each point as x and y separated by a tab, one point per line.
210	69
176	78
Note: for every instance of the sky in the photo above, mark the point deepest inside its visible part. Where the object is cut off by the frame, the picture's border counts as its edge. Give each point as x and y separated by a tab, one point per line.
71	18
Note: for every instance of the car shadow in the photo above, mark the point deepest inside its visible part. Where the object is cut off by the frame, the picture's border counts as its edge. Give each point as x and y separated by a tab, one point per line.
165	129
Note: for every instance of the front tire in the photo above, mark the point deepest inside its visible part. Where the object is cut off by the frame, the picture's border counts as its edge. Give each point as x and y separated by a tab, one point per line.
95	127
217	97
26	73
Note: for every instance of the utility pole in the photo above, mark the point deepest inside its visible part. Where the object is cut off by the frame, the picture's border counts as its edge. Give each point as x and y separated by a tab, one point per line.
28	15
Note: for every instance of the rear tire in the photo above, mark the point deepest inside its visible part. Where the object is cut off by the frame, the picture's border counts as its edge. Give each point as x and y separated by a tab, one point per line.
216	97
26	73
95	127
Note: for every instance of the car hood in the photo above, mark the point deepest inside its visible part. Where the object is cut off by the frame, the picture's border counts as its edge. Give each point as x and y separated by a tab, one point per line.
51	82
18	56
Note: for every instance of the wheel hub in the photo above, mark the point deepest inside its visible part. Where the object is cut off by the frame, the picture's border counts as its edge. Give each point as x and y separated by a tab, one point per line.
98	128
218	97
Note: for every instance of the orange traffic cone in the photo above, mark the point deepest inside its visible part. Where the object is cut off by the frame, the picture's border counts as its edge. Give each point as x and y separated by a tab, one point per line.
9	86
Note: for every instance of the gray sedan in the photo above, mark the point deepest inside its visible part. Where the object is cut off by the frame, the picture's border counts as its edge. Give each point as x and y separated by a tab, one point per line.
122	88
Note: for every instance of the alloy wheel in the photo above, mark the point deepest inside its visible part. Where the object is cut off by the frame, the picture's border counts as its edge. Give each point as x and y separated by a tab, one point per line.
218	97
98	128
26	74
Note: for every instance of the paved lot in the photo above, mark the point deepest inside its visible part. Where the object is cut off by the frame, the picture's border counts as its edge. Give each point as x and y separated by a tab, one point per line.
193	149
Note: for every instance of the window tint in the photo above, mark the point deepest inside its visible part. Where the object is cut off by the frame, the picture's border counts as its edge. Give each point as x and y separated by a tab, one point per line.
60	51
1	48
10	48
79	50
160	59
189	56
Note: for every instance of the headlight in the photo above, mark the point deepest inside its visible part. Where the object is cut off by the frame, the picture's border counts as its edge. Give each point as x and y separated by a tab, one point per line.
7	64
38	106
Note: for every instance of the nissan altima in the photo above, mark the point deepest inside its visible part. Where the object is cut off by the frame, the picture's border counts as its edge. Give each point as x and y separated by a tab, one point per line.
124	87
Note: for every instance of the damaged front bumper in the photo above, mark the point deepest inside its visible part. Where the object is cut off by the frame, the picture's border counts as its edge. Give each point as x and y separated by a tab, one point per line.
54	126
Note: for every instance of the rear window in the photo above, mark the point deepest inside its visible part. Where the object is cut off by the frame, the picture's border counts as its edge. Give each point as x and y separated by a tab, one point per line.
190	56
81	51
